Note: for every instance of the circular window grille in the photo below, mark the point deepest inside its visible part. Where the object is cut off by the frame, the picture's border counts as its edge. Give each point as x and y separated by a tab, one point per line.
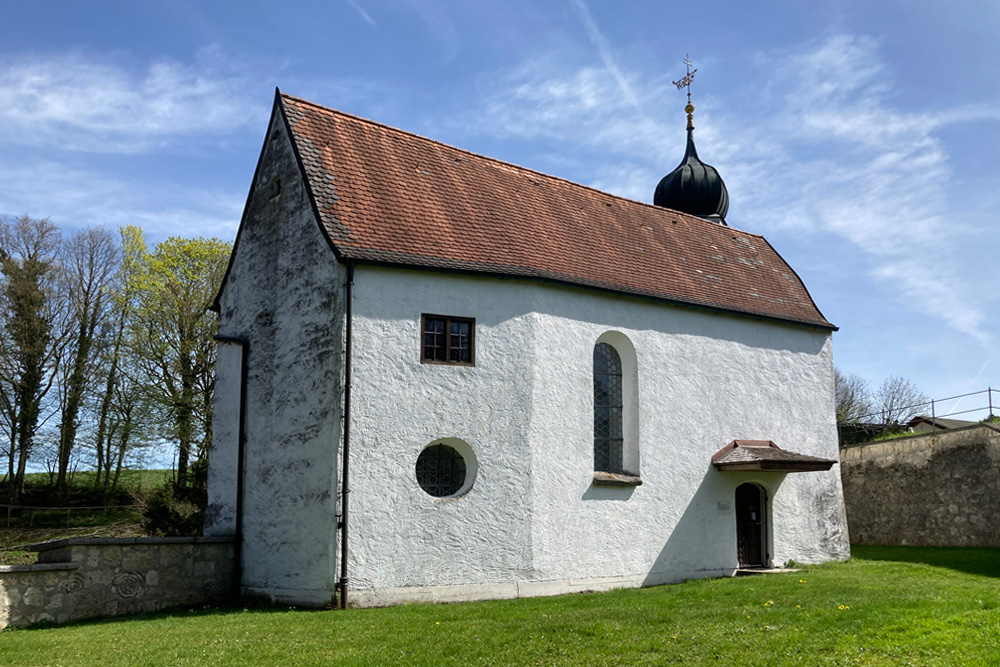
440	471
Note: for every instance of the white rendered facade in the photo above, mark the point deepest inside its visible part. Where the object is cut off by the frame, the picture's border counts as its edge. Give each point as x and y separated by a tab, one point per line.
534	522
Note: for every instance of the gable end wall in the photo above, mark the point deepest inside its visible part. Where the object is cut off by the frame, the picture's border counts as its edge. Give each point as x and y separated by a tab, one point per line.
284	294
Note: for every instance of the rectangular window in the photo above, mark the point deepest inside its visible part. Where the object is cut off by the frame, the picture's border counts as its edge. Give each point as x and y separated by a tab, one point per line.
448	340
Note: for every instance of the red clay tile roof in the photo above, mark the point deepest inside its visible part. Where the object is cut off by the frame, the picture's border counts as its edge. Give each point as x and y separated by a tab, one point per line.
386	195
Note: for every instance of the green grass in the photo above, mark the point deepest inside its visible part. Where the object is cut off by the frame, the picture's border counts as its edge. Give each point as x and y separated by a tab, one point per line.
888	606
146	480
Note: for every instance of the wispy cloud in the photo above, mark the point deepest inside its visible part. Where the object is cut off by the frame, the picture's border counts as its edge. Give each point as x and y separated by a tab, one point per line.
825	152
544	100
604	51
360	10
871	173
79	101
76	197
436	16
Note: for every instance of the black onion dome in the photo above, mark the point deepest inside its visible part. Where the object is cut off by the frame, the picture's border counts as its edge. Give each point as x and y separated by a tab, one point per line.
693	187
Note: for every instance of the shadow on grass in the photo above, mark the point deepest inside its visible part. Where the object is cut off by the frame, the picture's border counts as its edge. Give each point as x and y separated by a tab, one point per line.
971	560
173	612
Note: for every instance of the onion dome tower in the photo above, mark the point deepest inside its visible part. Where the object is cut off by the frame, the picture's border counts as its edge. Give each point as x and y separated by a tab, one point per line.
693	187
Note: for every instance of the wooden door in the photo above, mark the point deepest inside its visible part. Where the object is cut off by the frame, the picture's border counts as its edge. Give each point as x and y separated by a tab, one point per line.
751	506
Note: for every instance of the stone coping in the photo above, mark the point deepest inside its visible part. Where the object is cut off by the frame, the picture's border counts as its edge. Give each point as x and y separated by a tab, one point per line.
39	567
913	437
602	478
125	541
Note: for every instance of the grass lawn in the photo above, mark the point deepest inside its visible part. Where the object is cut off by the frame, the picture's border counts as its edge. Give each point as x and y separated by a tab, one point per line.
141	479
888	606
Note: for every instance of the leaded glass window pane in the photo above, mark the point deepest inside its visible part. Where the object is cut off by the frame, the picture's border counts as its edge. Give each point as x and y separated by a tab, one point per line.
458	342
608	436
434	339
440	471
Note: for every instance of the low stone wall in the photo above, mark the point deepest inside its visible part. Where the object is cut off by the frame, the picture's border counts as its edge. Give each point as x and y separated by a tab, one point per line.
85	578
936	489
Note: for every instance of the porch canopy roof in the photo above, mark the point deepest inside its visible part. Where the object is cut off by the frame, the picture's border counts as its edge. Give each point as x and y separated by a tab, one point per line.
765	455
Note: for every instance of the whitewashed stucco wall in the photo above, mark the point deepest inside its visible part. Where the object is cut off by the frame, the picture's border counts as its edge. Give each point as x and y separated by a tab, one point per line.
400	536
704	380
534	522
285	296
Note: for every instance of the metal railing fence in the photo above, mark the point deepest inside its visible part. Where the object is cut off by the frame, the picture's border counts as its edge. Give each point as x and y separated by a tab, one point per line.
894	420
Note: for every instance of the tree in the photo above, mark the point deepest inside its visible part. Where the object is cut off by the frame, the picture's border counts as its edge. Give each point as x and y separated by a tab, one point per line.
898	400
123	410
853	397
89	262
31	343
172	336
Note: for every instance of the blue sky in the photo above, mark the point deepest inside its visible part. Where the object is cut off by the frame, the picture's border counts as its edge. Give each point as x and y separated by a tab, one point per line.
859	137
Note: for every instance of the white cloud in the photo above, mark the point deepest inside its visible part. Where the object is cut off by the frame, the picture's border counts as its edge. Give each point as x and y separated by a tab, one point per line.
582	108
79	101
824	151
871	173
361	11
76	197
604	51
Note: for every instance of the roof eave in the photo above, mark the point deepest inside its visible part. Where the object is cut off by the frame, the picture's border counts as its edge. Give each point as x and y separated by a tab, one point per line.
216	302
775	466
347	252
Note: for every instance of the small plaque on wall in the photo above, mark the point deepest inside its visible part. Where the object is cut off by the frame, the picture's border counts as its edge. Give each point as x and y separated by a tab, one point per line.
724	508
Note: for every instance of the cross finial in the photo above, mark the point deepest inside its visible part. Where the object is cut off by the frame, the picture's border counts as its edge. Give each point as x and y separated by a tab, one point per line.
685	82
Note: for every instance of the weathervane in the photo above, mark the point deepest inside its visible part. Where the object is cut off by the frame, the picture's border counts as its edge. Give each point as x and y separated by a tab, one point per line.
686	82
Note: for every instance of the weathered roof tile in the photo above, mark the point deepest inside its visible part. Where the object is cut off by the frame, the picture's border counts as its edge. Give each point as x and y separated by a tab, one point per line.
387	195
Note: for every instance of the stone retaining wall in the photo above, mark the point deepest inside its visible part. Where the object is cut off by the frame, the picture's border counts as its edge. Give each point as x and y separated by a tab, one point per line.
85	578
937	489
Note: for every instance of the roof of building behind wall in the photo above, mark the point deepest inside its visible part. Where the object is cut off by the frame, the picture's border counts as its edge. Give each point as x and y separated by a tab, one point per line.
386	195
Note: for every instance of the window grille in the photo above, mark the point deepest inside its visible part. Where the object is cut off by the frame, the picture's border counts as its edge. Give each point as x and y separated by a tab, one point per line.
608	436
441	471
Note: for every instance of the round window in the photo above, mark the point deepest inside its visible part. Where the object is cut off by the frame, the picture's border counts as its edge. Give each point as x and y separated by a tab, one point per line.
441	470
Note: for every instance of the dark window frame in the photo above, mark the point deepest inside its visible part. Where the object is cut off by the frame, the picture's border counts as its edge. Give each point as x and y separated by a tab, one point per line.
448	320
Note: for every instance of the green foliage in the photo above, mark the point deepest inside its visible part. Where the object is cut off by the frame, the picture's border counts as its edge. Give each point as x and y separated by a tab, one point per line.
907	610
175	511
172	332
892	434
105	348
29	344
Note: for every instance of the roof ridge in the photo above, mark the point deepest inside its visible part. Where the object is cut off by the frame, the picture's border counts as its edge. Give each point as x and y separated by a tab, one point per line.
520	168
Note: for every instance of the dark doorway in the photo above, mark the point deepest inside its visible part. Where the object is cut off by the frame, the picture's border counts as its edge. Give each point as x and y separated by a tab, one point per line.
751	506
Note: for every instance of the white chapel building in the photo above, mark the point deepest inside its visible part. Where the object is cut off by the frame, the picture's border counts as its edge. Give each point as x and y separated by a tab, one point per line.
446	377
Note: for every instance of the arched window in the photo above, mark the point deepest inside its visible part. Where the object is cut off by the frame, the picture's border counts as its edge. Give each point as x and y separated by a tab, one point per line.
608	432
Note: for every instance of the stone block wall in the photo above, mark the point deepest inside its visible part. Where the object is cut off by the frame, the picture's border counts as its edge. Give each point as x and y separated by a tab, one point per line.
86	578
935	489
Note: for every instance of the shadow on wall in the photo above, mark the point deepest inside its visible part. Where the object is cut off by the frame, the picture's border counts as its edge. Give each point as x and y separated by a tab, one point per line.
595	492
575	303
983	561
699	542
